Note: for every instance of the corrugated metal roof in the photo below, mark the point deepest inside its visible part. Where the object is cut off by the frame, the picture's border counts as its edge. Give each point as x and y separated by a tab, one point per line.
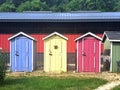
59	17
113	36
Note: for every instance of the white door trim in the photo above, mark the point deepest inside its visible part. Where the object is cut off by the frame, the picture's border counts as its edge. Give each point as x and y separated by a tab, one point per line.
82	54
77	56
111	57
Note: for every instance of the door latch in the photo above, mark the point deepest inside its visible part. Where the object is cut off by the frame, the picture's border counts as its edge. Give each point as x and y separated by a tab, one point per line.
16	53
83	53
50	53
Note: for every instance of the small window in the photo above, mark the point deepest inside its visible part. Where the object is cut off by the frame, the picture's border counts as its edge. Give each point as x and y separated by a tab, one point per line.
55	47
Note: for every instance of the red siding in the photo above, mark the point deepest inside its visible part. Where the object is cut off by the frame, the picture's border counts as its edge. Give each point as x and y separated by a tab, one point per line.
40	42
102	45
4	42
71	44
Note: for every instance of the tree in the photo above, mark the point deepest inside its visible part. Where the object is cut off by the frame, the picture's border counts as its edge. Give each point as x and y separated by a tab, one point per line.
34	5
24	6
107	5
117	6
2	1
7	7
91	4
51	3
75	5
60	6
87	5
18	2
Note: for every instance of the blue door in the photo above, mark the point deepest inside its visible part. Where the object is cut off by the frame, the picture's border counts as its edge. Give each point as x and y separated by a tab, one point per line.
21	54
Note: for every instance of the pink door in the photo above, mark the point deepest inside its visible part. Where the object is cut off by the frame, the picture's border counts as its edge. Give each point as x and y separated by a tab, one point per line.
90	54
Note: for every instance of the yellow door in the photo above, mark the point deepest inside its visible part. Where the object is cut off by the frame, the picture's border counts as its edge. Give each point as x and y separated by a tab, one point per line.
55	55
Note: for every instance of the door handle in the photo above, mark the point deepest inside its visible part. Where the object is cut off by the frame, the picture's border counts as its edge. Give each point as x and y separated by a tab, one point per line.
83	53
50	53
16	53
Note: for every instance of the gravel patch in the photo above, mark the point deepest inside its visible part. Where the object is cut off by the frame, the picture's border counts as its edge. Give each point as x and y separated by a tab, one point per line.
103	75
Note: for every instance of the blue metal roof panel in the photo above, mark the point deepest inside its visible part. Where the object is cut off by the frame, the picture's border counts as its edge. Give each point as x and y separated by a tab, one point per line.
63	17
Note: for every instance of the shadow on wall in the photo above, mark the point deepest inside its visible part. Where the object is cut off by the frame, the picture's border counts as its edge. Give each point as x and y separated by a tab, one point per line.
70	61
40	61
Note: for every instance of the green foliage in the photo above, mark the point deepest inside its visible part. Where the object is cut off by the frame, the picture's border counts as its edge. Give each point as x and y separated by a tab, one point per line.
24	6
59	5
18	2
107	5
7	7
116	88
75	5
2	66
117	6
2	1
33	5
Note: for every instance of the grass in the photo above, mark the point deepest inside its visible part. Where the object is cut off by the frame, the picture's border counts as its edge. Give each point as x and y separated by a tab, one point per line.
117	88
51	83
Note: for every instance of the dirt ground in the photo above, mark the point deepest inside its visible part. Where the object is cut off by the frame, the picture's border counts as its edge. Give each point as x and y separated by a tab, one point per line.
103	75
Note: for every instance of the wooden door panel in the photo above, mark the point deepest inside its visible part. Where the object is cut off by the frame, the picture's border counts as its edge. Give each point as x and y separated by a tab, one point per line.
89	55
55	57
22	57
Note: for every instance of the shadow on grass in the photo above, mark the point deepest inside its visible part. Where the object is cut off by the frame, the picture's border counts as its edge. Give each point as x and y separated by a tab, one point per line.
14	81
51	83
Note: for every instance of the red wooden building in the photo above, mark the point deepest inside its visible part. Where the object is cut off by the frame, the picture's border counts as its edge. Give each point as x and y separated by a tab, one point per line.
71	46
88	53
71	24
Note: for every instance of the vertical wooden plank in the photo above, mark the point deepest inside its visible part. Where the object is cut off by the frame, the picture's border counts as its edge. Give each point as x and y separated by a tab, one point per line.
115	56
77	49
83	45
111	57
99	66
57	55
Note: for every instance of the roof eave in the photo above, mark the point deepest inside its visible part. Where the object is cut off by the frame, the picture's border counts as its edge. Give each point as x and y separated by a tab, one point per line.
21	33
114	40
59	20
104	36
89	33
55	33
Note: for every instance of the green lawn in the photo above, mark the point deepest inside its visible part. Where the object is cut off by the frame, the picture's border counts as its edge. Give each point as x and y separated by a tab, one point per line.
51	83
117	88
